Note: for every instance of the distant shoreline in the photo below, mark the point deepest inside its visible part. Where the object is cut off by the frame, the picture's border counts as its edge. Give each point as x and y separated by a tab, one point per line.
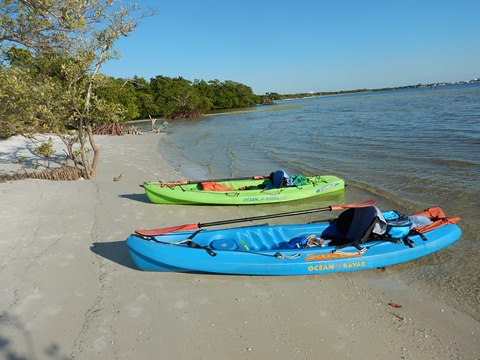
289	97
346	92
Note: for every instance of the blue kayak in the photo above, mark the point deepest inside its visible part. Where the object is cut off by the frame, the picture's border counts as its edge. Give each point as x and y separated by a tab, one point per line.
268	250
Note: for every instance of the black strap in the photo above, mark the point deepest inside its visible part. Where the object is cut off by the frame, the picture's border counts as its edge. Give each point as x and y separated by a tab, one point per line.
194	234
192	244
388	237
407	241
416	232
187	241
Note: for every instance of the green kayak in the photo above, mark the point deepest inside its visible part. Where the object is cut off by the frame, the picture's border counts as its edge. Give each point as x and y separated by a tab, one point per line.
250	191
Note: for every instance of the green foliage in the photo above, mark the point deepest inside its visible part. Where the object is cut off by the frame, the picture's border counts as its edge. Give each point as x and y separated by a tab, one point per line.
51	52
120	95
45	149
173	97
230	94
29	102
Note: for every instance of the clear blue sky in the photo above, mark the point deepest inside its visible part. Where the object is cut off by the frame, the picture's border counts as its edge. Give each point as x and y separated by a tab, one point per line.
305	45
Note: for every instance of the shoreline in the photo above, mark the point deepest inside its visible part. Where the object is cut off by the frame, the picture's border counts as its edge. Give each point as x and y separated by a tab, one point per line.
70	289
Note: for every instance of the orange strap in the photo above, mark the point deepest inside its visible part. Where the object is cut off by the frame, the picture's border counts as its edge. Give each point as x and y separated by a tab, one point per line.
438	217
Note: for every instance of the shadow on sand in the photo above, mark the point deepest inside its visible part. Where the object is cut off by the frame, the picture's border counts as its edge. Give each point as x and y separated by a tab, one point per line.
137	197
18	343
115	251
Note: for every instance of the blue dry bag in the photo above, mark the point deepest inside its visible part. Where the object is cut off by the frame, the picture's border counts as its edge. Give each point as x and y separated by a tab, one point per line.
398	224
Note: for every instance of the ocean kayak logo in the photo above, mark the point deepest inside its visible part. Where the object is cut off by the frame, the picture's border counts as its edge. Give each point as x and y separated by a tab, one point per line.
265	198
345	265
326	187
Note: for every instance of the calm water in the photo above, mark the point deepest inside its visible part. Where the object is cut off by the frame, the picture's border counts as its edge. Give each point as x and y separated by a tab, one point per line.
409	149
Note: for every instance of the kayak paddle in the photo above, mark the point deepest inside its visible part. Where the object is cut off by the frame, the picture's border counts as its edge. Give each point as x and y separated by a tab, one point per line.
166	230
175	183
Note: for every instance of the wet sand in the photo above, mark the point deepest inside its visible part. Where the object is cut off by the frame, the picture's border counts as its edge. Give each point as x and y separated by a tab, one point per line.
70	290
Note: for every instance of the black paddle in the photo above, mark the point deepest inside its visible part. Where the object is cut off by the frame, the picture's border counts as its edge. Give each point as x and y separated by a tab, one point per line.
175	183
166	230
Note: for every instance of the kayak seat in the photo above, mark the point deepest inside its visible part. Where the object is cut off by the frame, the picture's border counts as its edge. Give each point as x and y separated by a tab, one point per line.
278	179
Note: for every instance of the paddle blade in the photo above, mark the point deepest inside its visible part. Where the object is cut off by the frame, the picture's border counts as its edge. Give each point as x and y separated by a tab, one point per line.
354	205
166	230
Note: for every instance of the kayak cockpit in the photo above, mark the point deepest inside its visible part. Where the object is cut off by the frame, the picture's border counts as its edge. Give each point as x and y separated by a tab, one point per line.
259	238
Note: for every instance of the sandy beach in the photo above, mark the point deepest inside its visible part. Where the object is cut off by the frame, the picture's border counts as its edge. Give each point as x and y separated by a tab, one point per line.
70	291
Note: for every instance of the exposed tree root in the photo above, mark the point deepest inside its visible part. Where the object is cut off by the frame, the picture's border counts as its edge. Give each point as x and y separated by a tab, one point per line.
109	129
65	173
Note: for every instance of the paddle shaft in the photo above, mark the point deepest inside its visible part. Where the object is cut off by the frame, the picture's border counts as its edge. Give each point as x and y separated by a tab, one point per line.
173	183
290	213
185	227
